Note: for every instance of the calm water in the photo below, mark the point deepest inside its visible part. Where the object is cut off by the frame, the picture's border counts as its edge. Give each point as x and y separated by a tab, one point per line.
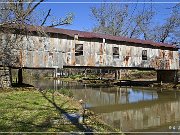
129	109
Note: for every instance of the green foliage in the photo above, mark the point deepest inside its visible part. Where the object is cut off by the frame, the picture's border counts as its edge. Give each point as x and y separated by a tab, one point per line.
76	76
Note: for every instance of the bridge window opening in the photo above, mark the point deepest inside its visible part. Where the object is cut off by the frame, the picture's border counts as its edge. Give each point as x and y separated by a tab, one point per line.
115	52
144	54
78	49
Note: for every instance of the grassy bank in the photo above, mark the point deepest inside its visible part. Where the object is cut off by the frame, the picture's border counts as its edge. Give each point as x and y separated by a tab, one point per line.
31	110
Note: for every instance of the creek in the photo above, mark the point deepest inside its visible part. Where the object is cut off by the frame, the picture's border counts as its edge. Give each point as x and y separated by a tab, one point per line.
131	109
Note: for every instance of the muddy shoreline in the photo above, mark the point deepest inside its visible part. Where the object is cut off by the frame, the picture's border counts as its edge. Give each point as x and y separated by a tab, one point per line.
124	83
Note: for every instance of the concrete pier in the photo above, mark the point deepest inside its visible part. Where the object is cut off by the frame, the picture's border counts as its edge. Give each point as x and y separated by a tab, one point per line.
167	76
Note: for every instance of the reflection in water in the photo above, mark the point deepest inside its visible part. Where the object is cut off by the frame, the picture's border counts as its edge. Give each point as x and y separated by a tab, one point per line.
126	108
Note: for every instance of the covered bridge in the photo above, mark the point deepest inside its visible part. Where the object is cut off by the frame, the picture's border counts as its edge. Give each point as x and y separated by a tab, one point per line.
59	48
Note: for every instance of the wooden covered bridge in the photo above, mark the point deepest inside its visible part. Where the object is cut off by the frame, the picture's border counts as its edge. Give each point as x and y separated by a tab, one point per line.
59	48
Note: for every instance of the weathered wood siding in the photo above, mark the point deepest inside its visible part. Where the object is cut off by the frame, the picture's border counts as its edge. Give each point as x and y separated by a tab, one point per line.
59	50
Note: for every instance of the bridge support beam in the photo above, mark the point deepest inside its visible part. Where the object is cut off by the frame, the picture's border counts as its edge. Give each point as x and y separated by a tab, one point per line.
117	74
85	72
20	76
167	76
55	73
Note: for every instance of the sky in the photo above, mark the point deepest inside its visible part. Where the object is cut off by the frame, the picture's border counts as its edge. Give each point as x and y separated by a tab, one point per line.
83	19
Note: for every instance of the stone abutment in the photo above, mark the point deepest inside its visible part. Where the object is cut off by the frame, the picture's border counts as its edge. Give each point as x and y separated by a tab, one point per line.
5	77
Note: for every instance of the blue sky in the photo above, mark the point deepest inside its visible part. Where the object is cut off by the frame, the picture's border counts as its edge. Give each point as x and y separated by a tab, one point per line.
83	19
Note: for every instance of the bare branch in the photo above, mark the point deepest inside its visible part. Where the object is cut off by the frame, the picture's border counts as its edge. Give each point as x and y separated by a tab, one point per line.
67	20
32	9
58	24
45	19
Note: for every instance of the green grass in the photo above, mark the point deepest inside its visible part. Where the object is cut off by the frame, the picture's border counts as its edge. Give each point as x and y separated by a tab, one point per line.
29	110
22	111
66	92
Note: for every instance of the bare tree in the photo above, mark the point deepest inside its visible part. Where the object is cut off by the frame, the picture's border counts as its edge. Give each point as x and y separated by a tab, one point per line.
20	14
23	12
142	25
15	17
170	29
110	19
116	19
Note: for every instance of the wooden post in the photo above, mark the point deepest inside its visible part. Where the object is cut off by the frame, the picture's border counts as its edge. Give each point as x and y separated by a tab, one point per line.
116	75
85	73
100	74
120	74
55	73
62	72
10	74
20	76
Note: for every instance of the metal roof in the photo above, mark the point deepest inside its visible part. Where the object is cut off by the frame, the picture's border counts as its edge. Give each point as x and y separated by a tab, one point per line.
91	35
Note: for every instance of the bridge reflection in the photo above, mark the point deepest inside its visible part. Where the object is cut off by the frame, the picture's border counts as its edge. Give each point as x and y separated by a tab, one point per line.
133	110
146	110
128	109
